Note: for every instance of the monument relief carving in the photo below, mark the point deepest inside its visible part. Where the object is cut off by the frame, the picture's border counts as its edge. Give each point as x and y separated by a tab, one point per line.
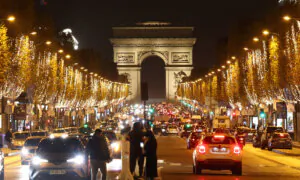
125	58
163	53
179	57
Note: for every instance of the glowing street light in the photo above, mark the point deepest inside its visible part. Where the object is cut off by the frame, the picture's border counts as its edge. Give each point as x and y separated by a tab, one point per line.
68	56
48	43
246	49
287	18
82	68
255	39
228	62
233	57
266	32
11	18
219	70
213	72
60	51
223	67
33	33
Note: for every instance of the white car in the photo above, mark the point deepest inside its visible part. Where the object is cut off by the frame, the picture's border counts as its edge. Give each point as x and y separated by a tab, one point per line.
59	133
218	152
172	130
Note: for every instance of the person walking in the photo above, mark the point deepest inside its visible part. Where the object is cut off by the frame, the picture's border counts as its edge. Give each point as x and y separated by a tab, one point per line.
97	148
136	143
8	138
151	157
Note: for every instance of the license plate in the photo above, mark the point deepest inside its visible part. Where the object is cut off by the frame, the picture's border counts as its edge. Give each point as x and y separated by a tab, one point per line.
250	134
57	172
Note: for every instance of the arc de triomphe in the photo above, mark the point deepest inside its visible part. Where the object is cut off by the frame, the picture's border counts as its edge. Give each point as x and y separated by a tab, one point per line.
173	44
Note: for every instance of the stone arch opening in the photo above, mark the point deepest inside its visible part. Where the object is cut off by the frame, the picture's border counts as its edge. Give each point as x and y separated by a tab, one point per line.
153	72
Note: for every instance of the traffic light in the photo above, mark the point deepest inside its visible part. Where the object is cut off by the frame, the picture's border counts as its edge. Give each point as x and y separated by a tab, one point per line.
85	126
262	114
188	125
151	110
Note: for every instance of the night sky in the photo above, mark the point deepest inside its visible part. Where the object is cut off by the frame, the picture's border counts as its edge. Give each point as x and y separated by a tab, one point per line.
92	20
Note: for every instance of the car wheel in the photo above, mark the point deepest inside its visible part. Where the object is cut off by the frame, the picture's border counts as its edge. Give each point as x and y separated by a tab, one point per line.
269	148
237	169
198	169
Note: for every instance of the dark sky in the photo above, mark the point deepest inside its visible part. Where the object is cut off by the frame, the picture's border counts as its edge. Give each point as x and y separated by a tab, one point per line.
91	20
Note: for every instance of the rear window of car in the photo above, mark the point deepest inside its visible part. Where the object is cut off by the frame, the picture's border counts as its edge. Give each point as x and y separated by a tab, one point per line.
21	135
110	135
59	131
38	133
60	145
32	142
217	140
196	135
281	136
274	129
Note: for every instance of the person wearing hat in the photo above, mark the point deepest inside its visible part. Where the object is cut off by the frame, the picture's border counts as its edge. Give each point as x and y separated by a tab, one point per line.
98	150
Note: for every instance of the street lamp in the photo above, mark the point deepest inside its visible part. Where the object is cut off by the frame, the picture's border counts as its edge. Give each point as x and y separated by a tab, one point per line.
60	51
246	49
287	18
233	57
228	62
266	32
48	43
68	56
33	33
223	66
255	39
11	18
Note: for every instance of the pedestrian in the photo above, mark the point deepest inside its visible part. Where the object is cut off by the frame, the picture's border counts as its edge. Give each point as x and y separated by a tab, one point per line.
8	138
97	148
136	144
151	157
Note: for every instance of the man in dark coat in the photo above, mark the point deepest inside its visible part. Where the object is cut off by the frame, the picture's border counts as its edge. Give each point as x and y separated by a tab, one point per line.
98	150
8	138
151	157
136	138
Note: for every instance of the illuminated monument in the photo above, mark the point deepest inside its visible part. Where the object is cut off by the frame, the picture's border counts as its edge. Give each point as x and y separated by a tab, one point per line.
172	44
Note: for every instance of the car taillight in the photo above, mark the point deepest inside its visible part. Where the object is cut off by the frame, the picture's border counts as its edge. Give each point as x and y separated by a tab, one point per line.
237	150
201	149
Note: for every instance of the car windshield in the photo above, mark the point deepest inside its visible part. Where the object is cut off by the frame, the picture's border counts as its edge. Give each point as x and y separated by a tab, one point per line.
32	142
110	135
21	135
218	140
59	131
196	135
274	129
38	133
59	145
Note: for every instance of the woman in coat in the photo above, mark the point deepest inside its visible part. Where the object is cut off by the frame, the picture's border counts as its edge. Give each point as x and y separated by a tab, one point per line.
151	157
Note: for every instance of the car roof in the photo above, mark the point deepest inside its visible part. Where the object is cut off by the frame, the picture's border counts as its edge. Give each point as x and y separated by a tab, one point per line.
39	131
21	132
36	137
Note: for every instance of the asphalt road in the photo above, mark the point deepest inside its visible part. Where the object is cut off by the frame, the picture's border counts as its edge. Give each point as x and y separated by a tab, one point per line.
175	163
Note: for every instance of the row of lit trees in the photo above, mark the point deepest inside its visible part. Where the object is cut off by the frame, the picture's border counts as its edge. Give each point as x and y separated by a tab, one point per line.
49	76
262	74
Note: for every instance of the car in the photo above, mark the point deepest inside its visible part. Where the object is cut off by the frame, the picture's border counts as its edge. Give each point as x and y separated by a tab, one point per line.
186	130
246	133
39	133
218	152
267	133
193	139
61	132
114	143
18	139
29	148
85	130
59	157
71	129
1	163
280	141
172	130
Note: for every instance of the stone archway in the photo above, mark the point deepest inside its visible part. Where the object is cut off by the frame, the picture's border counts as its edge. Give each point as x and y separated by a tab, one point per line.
174	45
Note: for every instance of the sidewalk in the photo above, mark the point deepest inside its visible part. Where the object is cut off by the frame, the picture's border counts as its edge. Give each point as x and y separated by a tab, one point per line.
288	152
9	152
296	144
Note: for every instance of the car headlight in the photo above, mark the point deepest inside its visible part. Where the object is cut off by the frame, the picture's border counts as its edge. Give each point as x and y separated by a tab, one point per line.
79	159
51	136
36	160
115	146
64	135
25	151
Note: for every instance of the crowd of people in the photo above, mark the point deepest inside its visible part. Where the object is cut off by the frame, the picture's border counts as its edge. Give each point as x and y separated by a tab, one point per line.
143	147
